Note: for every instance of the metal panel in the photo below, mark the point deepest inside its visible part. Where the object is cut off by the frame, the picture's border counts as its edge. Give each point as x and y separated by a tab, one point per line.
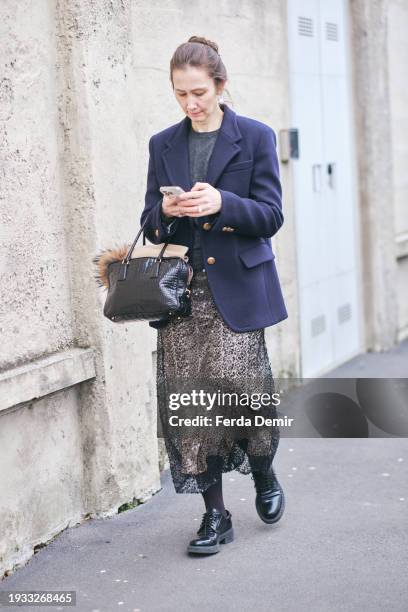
326	223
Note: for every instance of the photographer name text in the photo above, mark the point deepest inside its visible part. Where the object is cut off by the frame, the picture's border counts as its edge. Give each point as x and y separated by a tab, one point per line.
221	421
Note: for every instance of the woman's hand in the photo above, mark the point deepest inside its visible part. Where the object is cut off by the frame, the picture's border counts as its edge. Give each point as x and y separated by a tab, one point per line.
203	199
170	206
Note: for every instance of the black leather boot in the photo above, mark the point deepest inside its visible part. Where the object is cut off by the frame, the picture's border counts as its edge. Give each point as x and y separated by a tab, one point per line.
270	499
215	529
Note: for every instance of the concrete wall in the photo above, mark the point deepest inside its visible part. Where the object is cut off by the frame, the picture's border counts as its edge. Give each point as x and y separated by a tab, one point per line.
73	158
370	38
33	246
397	26
379	48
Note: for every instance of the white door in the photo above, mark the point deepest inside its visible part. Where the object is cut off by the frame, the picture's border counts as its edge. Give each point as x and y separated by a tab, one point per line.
325	203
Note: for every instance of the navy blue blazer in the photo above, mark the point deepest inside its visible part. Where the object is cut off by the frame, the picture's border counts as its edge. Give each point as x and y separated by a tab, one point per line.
236	241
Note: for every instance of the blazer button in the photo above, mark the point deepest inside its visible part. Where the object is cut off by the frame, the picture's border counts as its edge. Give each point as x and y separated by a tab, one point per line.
156	232
207	226
211	260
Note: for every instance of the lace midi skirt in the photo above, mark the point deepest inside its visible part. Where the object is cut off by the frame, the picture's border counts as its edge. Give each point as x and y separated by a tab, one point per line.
202	352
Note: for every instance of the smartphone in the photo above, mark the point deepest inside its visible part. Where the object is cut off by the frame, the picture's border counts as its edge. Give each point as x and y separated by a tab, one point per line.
171	190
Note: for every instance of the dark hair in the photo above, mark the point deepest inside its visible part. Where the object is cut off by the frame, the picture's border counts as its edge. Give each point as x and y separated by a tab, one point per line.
199	51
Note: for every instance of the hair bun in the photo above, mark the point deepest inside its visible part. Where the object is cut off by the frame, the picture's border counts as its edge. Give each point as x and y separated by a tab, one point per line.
204	41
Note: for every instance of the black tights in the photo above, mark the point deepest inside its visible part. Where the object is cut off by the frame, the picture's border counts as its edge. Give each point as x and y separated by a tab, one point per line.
213	497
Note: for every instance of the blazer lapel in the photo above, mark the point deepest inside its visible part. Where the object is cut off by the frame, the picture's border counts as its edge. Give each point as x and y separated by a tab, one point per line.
226	146
176	157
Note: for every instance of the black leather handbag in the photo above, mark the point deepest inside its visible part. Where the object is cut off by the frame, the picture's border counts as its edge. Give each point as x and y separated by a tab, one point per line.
146	283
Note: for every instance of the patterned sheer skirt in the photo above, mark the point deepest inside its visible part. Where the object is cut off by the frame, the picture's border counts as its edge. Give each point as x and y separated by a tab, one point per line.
201	352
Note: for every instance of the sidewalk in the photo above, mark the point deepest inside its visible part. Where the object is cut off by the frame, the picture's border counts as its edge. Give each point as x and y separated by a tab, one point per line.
341	545
388	364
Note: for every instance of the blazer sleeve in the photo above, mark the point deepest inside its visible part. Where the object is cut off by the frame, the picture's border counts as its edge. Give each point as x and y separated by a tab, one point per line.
261	214
156	228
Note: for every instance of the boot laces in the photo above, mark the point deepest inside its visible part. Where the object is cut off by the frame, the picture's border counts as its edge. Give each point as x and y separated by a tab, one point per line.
264	481
208	523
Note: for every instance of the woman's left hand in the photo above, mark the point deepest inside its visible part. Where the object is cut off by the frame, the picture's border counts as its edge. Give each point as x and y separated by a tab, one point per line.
203	199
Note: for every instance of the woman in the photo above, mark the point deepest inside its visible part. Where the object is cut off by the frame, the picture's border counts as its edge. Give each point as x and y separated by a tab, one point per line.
231	206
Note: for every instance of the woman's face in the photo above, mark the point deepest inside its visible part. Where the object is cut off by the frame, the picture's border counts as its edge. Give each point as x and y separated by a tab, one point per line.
196	93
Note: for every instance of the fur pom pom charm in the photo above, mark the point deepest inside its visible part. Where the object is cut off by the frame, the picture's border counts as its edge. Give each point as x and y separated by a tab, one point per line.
102	261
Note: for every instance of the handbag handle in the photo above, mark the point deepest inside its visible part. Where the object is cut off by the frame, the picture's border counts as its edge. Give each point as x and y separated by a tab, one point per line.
125	260
129	253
